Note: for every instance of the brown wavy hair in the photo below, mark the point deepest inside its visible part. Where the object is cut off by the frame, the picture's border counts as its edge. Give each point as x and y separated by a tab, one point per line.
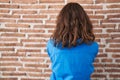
72	24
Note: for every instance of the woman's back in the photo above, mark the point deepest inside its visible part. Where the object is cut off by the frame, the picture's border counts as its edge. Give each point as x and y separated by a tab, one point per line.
75	63
72	47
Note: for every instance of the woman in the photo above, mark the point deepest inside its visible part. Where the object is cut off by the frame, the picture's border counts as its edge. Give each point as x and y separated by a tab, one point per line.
72	47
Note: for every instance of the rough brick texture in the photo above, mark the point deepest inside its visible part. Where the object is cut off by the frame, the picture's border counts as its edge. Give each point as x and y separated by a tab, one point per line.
26	25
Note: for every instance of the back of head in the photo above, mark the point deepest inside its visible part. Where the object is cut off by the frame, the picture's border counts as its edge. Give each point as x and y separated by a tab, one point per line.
72	24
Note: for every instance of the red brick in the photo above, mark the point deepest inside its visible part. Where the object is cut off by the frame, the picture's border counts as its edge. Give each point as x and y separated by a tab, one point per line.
101	50
47	70
94	21
112	65
117	60
98	70
35	45
10	44
44	26
49	11
113	30
92	7
106	11
96	16
115	36
13	34
28	50
8	39
4	11
38	55
115	76
30	21
37	75
4	1
13	54
8	6
53	16
17	25
9	16
8	30
7	20
112	50
32	31
97	30
30	79
6	49
33	6
35	16
113	6
110	21
98	65
112	70
106	60
25	1
24	12
111	26
113	40
116	55
99	1
32	40
112	1
102	35
31	60
50	31
7	69
8	59
113	16
99	75
115	45
102	55
30	70
55	6
50	21
8	78
39	35
51	1
107	1
89	12
15	64
37	65
13	74
82	1
102	45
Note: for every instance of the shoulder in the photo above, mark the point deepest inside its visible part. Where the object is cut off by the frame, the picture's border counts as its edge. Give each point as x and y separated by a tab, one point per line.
95	44
50	42
96	47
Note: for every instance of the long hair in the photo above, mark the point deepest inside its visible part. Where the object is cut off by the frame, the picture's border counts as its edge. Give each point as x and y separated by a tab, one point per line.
72	24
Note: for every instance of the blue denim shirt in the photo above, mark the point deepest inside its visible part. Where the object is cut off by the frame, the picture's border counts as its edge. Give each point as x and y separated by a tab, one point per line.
74	63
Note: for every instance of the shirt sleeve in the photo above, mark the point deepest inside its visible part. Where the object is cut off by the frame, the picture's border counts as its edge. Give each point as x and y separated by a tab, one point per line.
49	51
97	49
48	45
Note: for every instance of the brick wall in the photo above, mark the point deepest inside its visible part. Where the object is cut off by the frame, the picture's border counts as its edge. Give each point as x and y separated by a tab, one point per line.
26	25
